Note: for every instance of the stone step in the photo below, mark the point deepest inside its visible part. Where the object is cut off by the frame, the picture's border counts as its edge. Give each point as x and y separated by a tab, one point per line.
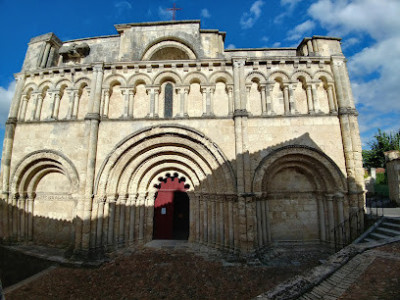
389	231
391	224
367	240
379	235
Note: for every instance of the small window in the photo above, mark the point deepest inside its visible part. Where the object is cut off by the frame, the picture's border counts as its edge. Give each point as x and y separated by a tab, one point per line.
168	101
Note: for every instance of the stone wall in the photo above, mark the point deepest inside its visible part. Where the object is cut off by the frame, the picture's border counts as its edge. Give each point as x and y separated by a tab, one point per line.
266	139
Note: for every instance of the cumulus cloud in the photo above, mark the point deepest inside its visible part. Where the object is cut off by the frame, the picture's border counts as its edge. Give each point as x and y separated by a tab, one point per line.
249	18
6	95
378	18
205	13
373	70
231	46
300	30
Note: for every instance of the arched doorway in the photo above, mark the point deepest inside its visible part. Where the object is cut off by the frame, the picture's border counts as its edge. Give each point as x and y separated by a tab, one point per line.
171	208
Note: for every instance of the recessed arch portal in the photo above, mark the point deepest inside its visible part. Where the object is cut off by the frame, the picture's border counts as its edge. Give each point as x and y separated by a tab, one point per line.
294	186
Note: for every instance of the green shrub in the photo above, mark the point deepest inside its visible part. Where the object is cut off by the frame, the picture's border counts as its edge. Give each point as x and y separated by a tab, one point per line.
381	178
382	189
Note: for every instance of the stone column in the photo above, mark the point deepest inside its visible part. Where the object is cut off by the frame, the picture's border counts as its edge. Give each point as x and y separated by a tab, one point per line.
248	90
185	100
268	92
29	205
286	98
263	88
132	219
112	202
22	111
8	143
106	107
122	204
92	121
76	104
310	102
329	199
151	93
39	103
156	103
125	92
350	134
56	108
181	92
292	103
100	218
392	159
230	99
131	103
315	98
331	99
321	212
204	94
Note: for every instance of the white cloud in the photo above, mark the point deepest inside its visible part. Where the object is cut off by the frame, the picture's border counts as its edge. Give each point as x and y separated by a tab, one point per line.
231	46
289	5
300	30
5	102
265	39
276	44
379	18
122	7
249	18
164	14
205	13
375	69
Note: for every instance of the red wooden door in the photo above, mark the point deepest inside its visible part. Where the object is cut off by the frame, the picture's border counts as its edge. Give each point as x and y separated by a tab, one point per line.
164	208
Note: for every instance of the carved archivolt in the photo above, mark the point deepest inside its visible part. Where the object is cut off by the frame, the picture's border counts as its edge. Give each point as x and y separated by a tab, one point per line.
320	169
136	162
36	165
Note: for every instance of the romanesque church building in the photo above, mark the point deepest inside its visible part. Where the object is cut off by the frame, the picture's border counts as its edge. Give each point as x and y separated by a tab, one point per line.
159	132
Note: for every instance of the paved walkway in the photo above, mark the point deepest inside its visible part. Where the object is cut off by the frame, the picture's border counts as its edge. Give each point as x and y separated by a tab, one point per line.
337	284
338	275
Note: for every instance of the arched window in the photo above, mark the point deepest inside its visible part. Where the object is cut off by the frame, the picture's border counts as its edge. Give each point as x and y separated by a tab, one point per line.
168	101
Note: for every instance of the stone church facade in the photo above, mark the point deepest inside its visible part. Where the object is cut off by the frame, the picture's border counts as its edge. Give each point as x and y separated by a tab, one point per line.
261	146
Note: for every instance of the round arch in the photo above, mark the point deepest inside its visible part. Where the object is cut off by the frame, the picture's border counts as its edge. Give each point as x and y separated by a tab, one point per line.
172	43
295	187
135	162
25	177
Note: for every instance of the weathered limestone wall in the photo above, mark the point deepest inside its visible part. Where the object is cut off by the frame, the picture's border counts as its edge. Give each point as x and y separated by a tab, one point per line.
266	139
393	174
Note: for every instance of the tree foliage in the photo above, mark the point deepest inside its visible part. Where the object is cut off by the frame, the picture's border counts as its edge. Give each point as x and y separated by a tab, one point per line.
382	142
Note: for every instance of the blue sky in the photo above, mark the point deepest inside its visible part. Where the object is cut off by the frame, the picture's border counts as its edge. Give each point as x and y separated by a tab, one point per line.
370	30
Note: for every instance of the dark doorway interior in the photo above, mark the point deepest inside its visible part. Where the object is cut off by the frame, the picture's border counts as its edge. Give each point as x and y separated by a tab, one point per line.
181	216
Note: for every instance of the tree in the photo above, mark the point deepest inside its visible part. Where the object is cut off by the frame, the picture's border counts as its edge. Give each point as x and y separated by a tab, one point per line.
375	158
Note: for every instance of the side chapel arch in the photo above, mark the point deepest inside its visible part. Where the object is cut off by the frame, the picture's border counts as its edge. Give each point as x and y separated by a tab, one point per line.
297	189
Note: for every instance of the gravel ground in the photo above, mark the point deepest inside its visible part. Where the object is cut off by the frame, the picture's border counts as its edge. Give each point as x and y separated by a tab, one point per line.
170	274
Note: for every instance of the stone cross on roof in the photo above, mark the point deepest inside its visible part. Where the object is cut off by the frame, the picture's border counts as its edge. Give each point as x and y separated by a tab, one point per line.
174	9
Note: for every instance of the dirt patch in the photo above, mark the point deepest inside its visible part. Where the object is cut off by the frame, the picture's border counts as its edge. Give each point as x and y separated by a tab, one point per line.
159	274
380	281
16	266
